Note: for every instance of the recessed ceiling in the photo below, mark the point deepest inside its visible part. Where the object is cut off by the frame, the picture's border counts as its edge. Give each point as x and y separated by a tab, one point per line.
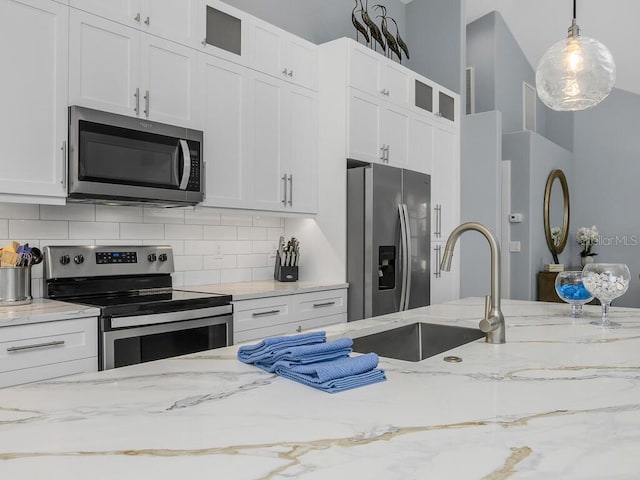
537	24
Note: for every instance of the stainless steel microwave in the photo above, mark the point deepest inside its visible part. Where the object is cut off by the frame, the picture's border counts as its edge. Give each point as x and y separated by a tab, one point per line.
125	160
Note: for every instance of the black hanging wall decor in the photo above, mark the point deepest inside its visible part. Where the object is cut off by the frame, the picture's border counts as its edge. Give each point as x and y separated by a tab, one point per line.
381	36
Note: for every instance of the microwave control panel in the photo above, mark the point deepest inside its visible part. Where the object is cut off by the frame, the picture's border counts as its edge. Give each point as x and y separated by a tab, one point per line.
194	178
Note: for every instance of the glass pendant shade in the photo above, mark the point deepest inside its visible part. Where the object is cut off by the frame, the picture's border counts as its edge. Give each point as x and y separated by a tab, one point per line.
576	73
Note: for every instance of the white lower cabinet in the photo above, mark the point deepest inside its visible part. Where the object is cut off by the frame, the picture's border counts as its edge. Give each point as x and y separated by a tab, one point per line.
287	314
33	100
42	351
445	286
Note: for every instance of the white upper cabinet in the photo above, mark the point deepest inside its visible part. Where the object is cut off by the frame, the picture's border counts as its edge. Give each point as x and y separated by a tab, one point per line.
283	55
170	19
445	183
224	31
121	70
420	144
33	99
442	103
104	64
225	132
378	76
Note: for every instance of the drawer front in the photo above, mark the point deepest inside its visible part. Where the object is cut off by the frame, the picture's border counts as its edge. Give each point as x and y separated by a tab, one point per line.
48	372
38	344
288	328
263	312
320	304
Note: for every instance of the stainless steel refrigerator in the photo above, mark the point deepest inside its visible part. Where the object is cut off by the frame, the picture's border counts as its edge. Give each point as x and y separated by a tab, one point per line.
388	235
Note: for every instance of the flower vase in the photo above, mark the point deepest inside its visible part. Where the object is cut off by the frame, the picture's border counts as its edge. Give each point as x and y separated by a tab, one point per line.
586	259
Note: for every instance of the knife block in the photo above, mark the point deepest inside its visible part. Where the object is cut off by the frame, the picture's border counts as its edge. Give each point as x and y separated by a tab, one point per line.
283	273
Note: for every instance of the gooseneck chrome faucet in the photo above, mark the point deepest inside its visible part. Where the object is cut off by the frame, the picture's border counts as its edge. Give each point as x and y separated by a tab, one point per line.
493	322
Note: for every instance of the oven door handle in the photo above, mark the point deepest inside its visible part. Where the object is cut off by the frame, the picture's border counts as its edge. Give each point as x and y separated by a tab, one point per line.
186	164
153	319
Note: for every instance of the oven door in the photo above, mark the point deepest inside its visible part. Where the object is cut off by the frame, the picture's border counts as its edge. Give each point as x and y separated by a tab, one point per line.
117	157
144	338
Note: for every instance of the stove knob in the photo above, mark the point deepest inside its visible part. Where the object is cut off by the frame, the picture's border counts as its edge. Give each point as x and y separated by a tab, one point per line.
163	257
65	259
152	257
78	259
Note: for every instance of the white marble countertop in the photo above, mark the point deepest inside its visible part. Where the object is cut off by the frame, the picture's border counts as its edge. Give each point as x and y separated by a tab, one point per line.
43	310
561	400
265	288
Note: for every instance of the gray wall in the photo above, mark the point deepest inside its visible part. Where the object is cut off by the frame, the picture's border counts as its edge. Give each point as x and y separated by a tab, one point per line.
532	157
500	69
480	199
435	35
318	21
607	159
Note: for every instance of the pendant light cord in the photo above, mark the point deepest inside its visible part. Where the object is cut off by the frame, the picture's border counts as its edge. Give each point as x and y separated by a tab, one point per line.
574	9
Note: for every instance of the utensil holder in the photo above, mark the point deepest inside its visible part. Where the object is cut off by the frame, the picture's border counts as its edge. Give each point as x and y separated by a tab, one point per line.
284	273
15	286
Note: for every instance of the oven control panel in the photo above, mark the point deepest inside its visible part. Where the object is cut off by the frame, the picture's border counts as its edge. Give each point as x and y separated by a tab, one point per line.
116	257
104	260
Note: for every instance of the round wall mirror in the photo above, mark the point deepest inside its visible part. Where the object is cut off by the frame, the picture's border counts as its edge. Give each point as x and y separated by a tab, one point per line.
556	212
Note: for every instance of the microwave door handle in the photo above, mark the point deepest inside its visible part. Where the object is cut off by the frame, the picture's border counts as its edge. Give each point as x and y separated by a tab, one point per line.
186	164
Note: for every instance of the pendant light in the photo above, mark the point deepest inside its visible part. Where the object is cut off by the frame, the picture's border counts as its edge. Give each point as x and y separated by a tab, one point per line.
576	73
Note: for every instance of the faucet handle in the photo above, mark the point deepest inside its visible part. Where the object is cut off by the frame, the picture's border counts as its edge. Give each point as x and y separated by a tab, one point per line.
488	324
487	306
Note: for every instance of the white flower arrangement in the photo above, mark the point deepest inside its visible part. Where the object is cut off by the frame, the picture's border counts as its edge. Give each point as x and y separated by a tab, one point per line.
587	237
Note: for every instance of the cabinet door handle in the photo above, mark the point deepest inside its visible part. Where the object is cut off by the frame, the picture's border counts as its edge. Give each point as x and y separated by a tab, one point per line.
147	21
284	72
63	180
284	179
291	190
387	150
137	17
262	314
299	329
323	304
136	95
439	220
204	41
55	343
436	272
382	150
147	101
291	73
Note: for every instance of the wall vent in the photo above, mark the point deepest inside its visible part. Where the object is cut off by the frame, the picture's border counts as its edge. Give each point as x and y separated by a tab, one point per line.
528	107
471	89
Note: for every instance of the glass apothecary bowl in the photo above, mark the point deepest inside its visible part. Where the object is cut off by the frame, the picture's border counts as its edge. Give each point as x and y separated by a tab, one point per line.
606	281
571	289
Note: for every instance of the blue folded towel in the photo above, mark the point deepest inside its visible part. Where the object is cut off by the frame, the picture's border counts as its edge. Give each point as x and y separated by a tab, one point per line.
263	349
305	354
335	376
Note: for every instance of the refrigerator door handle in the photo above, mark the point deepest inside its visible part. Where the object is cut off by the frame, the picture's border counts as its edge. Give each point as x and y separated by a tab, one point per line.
403	256
407	230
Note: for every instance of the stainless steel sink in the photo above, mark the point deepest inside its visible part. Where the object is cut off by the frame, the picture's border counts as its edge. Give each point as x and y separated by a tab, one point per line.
416	341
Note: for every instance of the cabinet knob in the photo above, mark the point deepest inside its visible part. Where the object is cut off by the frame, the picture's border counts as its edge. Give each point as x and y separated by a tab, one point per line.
137	17
284	72
204	41
147	21
291	73
299	329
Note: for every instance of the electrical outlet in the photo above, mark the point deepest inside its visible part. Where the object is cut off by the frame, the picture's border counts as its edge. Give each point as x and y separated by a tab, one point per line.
516	218
514	247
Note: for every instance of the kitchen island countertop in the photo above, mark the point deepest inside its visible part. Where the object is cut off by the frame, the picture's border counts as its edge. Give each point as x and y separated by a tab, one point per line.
561	399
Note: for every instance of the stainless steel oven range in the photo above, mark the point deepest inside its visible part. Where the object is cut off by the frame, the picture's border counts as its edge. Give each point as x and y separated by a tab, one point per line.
142	318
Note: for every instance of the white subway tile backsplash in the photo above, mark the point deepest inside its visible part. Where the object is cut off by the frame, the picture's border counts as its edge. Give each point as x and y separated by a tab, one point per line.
183	263
37	272
264	246
38	229
262	273
97	230
141	231
210	246
275	233
163	215
183	232
23	211
236	275
216	262
235	247
107	213
176	245
201	277
199	247
73	211
201	216
254	260
236	219
268	222
252	233
221	232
